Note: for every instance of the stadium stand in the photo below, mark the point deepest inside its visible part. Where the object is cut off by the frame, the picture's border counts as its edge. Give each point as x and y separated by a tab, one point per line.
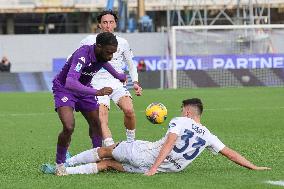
78	16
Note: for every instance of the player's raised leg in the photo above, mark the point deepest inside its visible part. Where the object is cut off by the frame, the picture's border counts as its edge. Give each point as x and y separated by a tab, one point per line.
90	156
93	168
126	105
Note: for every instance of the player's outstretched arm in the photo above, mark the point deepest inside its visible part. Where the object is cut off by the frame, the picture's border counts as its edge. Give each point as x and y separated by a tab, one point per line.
164	152
120	76
240	160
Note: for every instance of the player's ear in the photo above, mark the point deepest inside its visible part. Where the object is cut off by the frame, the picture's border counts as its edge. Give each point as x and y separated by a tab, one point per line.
99	46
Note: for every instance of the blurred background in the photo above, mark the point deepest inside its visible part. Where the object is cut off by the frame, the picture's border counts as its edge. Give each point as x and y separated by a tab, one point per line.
183	43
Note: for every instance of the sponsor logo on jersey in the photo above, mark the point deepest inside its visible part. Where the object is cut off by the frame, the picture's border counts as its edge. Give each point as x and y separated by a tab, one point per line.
176	164
64	99
83	59
89	74
78	67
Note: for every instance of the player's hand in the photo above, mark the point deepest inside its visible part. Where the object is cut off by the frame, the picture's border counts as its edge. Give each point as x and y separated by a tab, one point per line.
261	168
151	172
104	91
137	89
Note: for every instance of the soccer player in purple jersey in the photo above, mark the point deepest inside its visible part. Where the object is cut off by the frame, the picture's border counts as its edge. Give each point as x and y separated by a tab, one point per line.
72	91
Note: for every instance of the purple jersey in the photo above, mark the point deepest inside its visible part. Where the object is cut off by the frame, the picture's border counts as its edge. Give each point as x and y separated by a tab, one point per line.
78	71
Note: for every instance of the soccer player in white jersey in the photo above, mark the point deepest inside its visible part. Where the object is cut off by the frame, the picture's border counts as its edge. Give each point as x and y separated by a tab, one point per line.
121	96
184	141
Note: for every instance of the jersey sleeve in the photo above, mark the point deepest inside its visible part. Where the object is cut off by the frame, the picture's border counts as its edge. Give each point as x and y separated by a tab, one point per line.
122	77
78	61
215	144
175	126
128	56
89	40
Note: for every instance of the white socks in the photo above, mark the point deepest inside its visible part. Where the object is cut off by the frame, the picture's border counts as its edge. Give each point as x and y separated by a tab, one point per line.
89	156
90	168
130	135
108	142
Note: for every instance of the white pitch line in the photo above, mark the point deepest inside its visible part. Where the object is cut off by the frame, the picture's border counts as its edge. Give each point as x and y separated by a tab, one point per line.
118	111
279	182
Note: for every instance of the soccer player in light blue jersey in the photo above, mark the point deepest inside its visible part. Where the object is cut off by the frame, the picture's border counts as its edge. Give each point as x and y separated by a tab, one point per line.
184	141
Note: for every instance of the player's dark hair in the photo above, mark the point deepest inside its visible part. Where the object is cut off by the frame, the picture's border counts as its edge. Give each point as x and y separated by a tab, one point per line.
194	102
106	38
105	12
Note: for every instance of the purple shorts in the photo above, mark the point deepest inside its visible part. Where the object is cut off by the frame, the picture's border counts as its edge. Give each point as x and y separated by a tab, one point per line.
79	102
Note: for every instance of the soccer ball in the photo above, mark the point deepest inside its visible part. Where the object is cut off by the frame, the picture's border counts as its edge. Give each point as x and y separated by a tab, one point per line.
156	113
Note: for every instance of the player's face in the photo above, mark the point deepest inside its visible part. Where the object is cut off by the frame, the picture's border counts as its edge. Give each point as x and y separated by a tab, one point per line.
108	23
185	111
105	53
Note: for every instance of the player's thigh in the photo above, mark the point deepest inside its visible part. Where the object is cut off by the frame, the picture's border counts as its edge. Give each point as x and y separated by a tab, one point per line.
104	100
86	103
66	116
63	98
64	105
92	117
122	152
133	153
109	163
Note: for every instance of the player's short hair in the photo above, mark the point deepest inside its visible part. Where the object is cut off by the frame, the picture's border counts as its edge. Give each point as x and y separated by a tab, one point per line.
106	38
196	102
105	12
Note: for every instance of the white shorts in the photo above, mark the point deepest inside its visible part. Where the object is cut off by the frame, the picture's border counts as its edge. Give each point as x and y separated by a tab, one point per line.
139	156
132	156
115	96
119	90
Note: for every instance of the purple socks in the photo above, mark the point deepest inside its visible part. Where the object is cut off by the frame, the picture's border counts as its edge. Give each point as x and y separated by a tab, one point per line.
97	141
61	154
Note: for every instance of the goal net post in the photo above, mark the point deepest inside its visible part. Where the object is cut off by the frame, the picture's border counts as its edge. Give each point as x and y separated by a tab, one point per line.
227	55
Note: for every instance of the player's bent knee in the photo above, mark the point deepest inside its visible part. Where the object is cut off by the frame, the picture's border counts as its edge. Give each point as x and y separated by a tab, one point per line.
129	112
68	130
105	152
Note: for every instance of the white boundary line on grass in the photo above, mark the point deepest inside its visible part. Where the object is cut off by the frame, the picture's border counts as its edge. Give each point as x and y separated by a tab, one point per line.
279	182
209	109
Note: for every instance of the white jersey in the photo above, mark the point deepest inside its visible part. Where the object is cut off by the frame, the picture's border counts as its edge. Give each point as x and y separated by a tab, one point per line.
192	139
121	57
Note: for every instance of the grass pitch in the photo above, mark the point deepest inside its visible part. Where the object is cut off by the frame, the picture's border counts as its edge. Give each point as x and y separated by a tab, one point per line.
249	120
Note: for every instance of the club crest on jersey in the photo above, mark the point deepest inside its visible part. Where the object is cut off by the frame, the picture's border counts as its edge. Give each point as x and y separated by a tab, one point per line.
172	125
78	67
83	59
64	99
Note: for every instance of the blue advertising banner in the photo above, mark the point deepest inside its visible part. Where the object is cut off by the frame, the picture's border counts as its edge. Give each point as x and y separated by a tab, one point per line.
230	61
